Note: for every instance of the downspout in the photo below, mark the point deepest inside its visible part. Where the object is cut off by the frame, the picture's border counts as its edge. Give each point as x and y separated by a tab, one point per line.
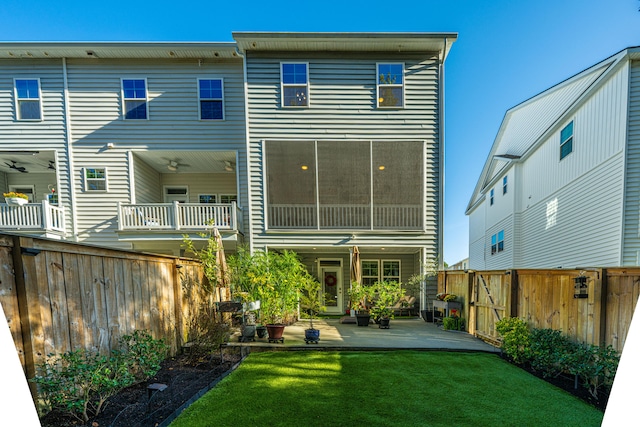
70	163
247	149
441	161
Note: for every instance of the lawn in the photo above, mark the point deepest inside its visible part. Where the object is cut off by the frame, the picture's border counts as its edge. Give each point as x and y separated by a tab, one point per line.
399	388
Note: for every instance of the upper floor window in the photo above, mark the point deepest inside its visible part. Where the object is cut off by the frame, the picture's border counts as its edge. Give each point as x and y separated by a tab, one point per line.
504	185
28	99
295	84
134	94
566	140
95	179
491	193
211	98
497	242
390	85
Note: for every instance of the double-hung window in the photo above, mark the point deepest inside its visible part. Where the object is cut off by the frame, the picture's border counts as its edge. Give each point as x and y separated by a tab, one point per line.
391	271
491	193
504	185
134	94
370	272
497	242
95	179
28	99
390	85
211	96
295	84
566	140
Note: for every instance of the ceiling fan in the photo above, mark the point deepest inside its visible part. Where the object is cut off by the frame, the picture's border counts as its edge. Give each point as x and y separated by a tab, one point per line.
12	165
173	165
52	165
228	166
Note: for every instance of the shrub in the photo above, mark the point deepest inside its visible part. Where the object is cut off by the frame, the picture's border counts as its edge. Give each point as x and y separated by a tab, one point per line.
547	351
143	354
595	366
206	334
515	338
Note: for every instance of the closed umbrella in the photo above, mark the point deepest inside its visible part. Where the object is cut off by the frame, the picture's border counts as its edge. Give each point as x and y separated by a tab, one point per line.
221	263
356	271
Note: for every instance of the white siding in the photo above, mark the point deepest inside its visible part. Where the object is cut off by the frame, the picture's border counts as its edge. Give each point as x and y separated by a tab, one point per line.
342	90
147	183
200	183
631	245
504	259
477	231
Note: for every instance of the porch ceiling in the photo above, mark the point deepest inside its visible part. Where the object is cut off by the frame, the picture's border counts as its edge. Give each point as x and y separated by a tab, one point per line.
189	161
31	161
364	250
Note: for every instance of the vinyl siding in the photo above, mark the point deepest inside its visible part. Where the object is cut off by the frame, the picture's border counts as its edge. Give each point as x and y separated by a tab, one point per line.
342	94
173	124
631	245
201	183
504	259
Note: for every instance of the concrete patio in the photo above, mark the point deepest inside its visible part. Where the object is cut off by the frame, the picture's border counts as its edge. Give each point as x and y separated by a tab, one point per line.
411	333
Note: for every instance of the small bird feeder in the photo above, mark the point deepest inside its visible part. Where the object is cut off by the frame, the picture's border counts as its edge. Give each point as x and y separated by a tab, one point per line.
580	287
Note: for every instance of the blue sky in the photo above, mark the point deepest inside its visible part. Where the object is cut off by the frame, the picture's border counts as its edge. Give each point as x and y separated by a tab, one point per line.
507	51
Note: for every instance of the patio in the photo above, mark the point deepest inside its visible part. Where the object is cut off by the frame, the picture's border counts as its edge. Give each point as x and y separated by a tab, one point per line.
411	333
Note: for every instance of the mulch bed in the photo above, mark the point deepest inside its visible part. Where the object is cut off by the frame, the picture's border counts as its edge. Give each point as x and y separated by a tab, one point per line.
133	406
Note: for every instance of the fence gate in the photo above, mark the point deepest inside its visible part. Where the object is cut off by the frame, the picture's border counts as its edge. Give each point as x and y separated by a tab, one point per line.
491	299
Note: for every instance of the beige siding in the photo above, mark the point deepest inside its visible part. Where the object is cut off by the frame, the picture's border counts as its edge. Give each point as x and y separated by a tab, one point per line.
342	91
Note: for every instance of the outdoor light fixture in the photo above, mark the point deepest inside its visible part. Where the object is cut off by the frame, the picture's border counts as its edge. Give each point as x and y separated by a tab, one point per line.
381	167
304	167
580	287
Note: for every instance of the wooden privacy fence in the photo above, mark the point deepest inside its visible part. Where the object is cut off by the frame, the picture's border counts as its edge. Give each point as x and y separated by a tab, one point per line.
60	296
545	299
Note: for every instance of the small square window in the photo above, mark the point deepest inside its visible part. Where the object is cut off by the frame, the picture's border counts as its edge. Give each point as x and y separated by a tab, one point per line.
228	198
211	98
28	99
566	140
95	179
134	93
295	84
207	198
390	85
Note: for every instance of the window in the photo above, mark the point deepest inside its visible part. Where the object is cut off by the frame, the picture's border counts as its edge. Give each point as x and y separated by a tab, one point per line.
95	179
370	272
27	190
504	185
391	271
207	198
28	106
491	197
390	85
211	98
228	198
295	85
497	242
566	140
134	93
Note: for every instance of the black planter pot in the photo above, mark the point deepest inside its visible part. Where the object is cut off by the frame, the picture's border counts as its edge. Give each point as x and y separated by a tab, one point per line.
261	331
248	333
383	323
311	336
363	319
427	315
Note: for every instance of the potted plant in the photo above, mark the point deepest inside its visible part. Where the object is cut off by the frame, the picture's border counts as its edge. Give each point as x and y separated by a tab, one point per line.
311	299
248	327
388	292
361	296
15	199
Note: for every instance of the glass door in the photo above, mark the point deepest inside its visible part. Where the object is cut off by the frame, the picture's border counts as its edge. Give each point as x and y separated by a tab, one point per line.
331	280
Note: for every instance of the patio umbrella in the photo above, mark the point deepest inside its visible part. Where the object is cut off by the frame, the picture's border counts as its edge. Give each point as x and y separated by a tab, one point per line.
221	262
356	272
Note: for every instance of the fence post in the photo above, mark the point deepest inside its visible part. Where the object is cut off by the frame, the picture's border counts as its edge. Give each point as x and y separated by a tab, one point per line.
513	296
177	303
602	327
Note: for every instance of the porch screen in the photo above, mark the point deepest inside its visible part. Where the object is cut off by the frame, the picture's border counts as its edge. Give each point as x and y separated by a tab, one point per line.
398	179
344	184
291	184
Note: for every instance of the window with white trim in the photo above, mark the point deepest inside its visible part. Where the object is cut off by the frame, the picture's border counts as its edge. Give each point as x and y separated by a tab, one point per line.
390	87
391	271
491	193
504	185
28	190
295	84
566	140
95	179
134	95
370	271
497	242
207	198
228	198
28	99
211	99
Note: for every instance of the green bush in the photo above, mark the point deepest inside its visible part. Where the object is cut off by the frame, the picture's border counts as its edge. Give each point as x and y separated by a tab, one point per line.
547	351
79	382
453	323
595	366
515	338
206	334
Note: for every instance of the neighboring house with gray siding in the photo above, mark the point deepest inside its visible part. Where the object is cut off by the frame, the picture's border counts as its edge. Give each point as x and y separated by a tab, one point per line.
346	149
561	184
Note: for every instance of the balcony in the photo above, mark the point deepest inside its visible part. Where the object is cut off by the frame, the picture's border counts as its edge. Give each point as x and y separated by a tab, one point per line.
346	217
41	218
177	217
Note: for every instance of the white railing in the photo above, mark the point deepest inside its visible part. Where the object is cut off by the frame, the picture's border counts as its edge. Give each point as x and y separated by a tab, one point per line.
32	216
177	216
352	217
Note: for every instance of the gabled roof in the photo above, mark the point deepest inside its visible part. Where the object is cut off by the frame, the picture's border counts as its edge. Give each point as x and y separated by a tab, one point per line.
346	42
527	125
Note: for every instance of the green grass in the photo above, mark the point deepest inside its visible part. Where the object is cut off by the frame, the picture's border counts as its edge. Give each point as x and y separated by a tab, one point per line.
400	388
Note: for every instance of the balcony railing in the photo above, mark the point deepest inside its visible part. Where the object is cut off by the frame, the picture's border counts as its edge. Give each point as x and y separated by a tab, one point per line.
177	216
346	217
32	216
